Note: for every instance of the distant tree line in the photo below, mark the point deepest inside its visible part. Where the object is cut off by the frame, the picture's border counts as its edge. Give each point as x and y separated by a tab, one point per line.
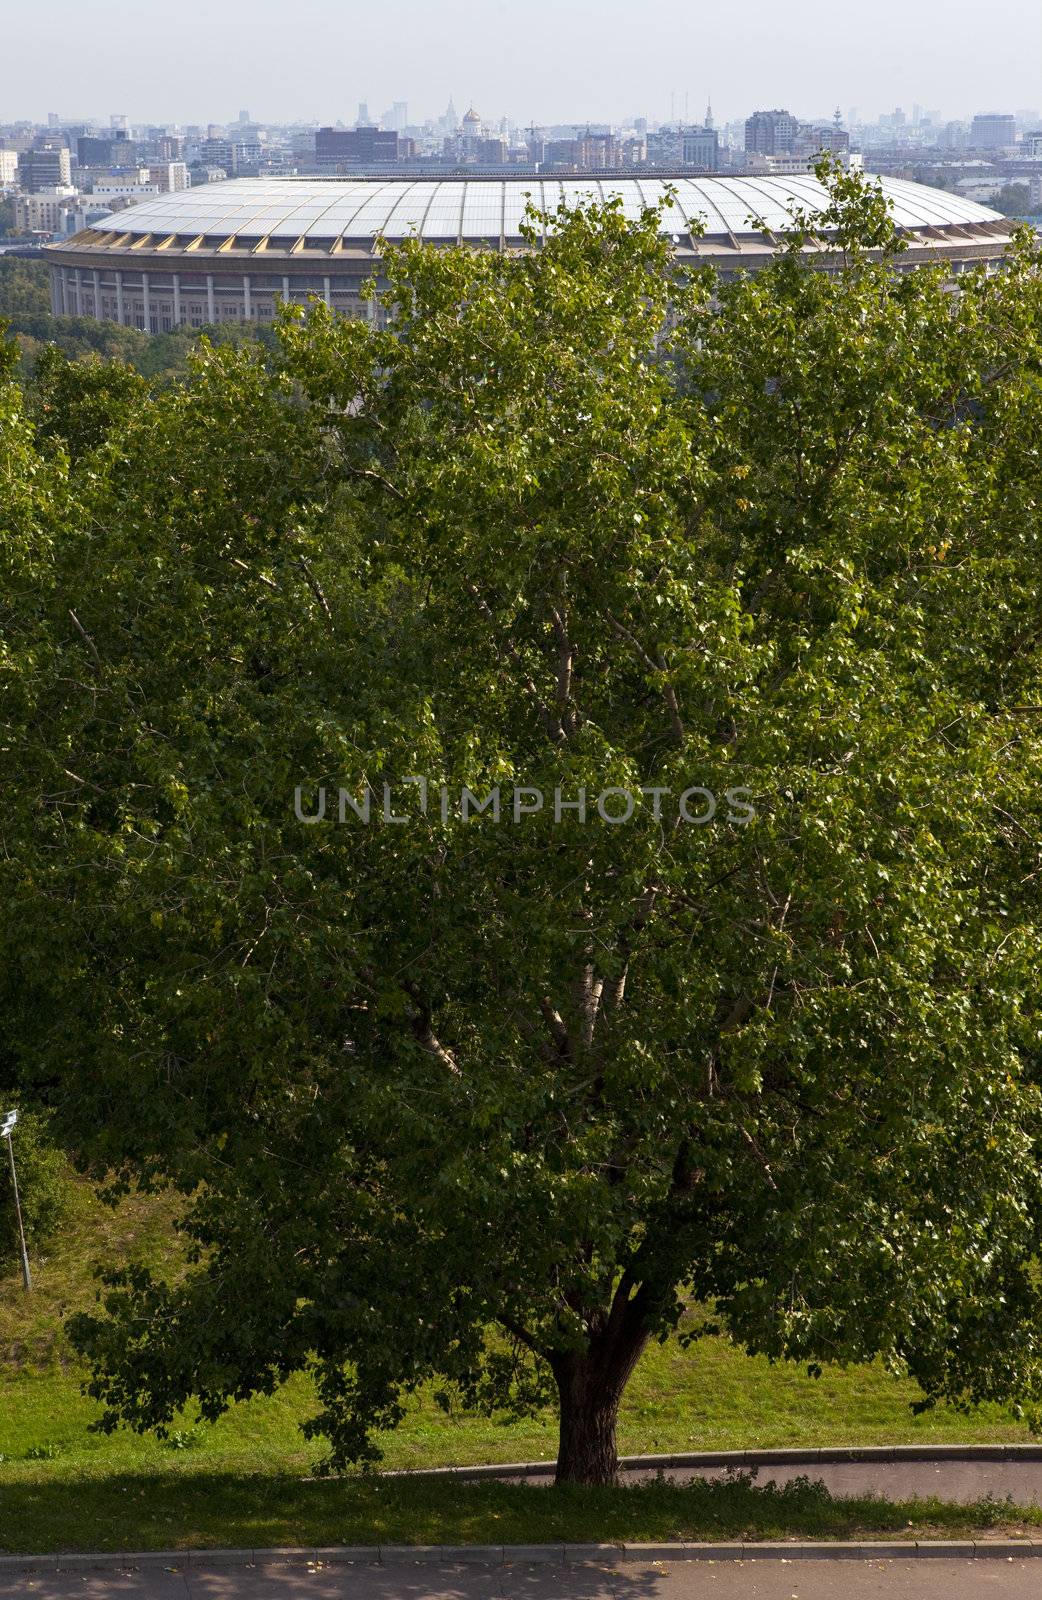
25	304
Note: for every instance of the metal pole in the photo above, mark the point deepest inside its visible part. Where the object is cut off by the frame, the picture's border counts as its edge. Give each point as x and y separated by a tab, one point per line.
27	1276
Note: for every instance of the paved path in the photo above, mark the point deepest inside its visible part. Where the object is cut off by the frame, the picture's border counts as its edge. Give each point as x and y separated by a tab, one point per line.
908	1579
962	1476
964	1482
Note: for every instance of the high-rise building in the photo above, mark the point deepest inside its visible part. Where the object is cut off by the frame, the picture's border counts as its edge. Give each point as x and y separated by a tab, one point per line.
247	156
701	146
601	150
591	151
560	153
354	146
684	147
953	136
491	152
993	130
46	168
216	153
170	177
94	150
105	150
770	133
815	139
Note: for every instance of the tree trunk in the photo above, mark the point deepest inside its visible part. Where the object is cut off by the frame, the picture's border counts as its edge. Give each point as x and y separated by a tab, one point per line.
590	1385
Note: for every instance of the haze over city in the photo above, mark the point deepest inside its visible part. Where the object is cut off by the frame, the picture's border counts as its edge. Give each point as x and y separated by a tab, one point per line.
546	61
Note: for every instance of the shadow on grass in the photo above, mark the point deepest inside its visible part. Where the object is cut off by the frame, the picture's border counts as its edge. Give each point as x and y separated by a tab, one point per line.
184	1507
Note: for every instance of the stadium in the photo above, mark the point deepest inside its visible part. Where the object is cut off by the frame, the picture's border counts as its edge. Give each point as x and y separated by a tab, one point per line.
232	251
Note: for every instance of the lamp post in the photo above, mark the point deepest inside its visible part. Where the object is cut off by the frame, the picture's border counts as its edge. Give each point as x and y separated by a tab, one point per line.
6	1130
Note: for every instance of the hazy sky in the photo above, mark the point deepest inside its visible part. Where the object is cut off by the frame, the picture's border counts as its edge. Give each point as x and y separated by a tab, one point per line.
551	60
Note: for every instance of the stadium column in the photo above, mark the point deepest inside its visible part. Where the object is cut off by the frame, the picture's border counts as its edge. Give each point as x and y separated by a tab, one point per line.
119	297
146	304
247	299
211	313
177	301
56	281
79	295
97	294
327	292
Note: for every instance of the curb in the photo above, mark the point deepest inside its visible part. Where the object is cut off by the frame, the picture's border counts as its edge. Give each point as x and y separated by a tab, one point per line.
887	1454
509	1555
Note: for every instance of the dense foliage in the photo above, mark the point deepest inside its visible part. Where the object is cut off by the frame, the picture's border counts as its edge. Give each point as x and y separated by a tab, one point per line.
1014	200
45	1195
493	1100
25	305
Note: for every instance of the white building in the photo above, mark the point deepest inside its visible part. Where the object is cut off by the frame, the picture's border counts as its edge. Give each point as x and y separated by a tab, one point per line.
247	154
8	168
170	177
124	191
46	211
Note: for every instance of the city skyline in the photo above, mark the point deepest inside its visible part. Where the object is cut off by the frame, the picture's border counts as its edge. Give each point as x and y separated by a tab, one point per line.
890	123
558	64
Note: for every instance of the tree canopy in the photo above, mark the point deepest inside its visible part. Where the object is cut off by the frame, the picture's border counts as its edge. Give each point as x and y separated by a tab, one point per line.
1014	199
25	305
736	586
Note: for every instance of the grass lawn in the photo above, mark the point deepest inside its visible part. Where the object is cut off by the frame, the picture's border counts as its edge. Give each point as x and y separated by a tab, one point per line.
247	1480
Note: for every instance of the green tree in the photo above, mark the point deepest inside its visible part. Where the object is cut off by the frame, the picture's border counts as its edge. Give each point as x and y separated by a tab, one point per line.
45	1192
1013	199
81	403
24	288
495	1101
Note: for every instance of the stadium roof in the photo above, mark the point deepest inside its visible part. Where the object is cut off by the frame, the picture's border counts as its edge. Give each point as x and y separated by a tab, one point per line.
316	212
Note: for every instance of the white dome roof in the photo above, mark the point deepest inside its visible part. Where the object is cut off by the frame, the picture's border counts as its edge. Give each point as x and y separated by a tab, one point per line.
321	211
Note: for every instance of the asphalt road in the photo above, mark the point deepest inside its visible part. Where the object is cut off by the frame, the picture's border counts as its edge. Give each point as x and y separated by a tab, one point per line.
907	1579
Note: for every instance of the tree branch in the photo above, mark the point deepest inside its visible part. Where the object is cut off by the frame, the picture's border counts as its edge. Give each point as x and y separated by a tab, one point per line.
565	659
555	1024
423	1033
316	589
667	690
551	724
85	636
267	582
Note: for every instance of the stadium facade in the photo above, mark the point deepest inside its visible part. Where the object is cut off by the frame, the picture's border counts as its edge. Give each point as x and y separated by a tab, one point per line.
232	251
